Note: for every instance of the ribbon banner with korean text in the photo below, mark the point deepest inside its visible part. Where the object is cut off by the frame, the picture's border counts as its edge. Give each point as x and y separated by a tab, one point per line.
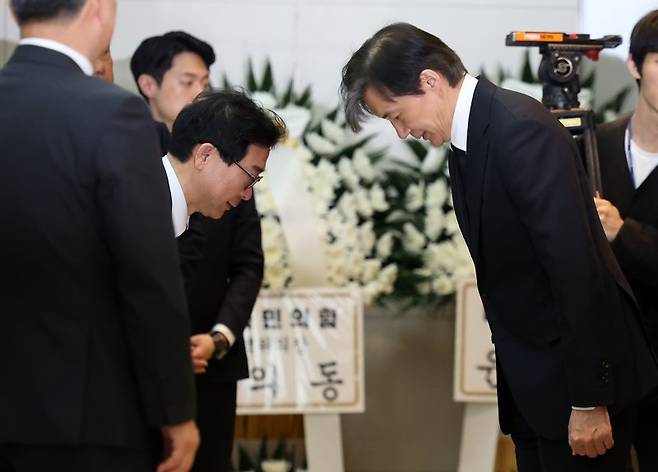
475	358
305	351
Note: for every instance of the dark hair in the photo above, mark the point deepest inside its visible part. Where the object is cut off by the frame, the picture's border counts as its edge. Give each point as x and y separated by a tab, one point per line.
155	55
230	121
391	62
40	10
644	39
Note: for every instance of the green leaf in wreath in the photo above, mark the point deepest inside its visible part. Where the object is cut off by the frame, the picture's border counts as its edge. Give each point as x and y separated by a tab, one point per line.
252	86
287	97
268	81
305	99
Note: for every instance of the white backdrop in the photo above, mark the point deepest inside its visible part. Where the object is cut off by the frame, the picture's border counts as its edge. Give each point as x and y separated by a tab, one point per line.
311	40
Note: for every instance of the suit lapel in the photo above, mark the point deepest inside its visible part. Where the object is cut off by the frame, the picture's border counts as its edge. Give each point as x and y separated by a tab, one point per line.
476	158
618	177
458	196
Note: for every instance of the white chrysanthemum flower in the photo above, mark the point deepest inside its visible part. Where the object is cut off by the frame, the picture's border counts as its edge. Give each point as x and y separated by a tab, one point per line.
347	207
414	198
362	201
437	192
371	268
434	224
413	240
332	131
367	238
378	198
452	225
363	165
385	245
276	276
320	145
347	172
443	285
433	160
387	278
370	292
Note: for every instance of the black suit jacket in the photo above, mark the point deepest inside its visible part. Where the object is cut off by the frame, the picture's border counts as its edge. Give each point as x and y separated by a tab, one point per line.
223	270
636	244
94	333
562	316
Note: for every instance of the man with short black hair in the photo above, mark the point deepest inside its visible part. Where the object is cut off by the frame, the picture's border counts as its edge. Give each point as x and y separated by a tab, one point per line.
219	147
170	71
572	359
628	208
222	259
94	344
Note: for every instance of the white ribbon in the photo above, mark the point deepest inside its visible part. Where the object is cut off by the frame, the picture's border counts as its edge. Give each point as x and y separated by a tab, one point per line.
294	203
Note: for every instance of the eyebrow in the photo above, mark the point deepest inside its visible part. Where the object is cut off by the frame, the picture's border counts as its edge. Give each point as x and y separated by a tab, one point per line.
258	169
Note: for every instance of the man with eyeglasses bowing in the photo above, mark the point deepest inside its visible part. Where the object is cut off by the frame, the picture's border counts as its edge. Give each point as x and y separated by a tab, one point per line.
219	147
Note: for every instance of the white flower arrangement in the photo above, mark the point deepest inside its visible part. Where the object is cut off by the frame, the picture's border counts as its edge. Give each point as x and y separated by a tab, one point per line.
389	229
348	200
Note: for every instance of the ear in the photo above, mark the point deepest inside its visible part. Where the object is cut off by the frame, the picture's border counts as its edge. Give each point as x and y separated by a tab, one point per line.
429	79
632	68
148	85
201	154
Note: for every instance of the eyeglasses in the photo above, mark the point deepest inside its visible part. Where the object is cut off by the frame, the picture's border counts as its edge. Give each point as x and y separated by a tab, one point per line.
254	178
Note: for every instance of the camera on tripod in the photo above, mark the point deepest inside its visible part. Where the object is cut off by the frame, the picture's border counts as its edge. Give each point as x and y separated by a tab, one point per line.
558	72
561	58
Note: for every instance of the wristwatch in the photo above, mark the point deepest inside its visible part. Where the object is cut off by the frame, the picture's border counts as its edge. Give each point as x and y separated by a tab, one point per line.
221	345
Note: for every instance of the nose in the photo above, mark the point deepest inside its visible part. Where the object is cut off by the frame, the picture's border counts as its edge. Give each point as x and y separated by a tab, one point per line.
246	194
402	131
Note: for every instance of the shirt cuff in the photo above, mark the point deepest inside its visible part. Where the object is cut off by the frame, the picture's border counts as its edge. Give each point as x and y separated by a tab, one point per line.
226	331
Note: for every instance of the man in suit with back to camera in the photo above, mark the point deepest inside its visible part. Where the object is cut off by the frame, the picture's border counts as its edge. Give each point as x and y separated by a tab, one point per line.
572	359
628	208
222	259
95	332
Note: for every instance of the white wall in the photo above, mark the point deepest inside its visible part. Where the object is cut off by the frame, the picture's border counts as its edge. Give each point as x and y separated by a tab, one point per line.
311	40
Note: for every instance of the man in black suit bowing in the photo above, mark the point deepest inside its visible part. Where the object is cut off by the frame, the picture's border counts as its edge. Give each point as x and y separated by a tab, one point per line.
94	342
573	361
222	259
628	208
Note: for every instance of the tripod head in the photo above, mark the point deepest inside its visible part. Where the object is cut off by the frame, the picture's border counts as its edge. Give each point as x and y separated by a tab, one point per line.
561	57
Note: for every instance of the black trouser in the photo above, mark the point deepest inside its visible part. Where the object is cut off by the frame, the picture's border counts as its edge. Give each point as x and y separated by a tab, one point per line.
646	435
537	454
21	458
216	422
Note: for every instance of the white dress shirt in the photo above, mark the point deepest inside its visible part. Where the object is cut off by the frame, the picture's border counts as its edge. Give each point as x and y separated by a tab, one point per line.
79	59
459	131
179	216
180	220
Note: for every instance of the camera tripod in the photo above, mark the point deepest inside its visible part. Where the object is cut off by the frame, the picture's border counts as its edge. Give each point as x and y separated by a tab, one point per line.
558	72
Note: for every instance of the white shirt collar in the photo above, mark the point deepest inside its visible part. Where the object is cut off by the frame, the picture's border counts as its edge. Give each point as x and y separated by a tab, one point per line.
179	216
82	62
459	132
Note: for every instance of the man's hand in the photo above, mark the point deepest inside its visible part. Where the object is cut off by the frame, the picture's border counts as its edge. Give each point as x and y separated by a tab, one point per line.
180	444
610	218
202	347
590	433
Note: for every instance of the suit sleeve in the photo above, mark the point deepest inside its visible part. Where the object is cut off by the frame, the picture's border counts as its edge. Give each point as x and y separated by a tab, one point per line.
133	200
636	248
542	174
245	270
